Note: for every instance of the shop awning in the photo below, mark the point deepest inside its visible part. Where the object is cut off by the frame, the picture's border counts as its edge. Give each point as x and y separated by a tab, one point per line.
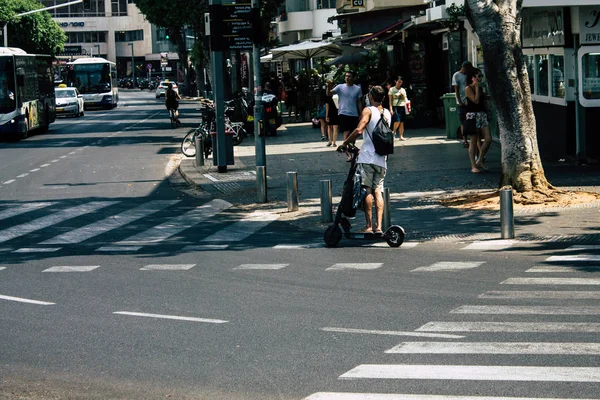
393	29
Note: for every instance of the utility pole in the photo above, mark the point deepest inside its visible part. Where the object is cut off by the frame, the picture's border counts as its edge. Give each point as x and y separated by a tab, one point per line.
216	57
132	66
259	142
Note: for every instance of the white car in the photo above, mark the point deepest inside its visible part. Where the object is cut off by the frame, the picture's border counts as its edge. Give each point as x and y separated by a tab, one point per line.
68	101
162	88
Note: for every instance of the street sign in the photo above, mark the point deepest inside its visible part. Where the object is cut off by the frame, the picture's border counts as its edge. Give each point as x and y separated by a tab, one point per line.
234	23
149	67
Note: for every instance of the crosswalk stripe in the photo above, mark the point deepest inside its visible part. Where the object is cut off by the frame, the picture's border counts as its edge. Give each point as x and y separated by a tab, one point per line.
392	333
436	326
571	258
119	249
167	267
490	245
243	228
37	250
559	269
495	348
584	247
398	396
175	225
449	266
112	222
22	209
547	294
52	219
474	372
357	266
205	247
299	246
551	281
29	301
175	317
261	266
72	268
528	310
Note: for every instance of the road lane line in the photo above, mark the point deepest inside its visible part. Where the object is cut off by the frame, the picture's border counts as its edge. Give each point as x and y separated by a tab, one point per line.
52	219
560	269
551	281
37	250
528	310
490	245
23	300
261	266
580	257
398	396
542	294
72	268
167	267
22	209
496	348
161	316
243	228
177	224
436	326
354	266
449	266
114	221
392	333
8	182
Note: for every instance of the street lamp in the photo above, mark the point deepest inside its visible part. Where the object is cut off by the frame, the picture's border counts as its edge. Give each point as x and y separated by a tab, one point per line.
5	29
132	65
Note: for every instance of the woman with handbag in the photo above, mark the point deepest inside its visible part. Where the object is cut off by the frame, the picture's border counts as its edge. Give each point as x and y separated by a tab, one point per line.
476	122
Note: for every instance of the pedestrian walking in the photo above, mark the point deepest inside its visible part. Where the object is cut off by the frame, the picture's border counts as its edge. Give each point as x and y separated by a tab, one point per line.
397	96
349	103
322	116
331	116
371	166
459	83
476	121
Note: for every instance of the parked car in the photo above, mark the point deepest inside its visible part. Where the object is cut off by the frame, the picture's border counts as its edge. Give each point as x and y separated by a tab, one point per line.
162	88
68	101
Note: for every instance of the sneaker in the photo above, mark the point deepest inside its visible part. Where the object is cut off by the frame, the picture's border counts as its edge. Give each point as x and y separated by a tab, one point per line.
329	144
323	138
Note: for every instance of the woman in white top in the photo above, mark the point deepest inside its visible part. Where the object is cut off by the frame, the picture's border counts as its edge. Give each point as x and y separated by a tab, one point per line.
398	99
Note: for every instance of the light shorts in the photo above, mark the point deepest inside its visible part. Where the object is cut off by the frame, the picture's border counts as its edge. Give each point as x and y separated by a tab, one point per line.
371	175
480	117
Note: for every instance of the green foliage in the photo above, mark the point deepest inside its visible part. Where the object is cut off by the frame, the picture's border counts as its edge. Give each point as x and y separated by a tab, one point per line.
456	15
34	33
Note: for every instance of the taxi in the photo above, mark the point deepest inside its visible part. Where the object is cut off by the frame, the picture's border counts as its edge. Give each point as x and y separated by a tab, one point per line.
68	101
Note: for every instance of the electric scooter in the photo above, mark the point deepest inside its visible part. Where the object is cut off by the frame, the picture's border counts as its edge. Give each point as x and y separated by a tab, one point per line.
394	235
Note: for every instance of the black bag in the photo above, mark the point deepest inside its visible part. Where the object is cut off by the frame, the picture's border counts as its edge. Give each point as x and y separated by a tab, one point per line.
347	203
470	127
382	137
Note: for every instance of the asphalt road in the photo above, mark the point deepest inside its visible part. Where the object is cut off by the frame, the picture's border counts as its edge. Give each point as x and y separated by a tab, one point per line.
115	282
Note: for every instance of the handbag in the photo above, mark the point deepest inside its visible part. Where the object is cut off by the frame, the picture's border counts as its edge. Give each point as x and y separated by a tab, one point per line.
470	126
407	107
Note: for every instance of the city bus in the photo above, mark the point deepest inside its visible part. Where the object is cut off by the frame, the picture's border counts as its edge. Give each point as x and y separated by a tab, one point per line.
96	80
26	93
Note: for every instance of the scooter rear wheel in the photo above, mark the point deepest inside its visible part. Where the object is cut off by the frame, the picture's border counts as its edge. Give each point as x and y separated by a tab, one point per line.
333	235
396	234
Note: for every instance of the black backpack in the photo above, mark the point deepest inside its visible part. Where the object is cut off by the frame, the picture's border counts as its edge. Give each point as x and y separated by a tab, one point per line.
382	137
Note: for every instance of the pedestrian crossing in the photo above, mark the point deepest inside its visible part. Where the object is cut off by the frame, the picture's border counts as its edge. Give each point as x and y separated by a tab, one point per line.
569	359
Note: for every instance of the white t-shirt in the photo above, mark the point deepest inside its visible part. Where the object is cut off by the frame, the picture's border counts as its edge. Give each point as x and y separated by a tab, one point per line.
398	96
348	98
367	154
459	79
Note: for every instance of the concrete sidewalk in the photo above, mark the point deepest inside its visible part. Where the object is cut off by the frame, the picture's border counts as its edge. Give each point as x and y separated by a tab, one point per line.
421	171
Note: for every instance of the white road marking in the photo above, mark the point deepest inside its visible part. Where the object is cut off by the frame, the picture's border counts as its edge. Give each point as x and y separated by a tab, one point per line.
393	333
161	316
397	396
299	246
37	250
177	224
579	257
553	269
22	300
261	266
474	373
551	281
584	247
450	266
495	348
528	310
34	170
8	182
205	247
55	161
212	178
490	245
72	268
119	248
52	219
243	228
589	327
22	209
1	268
23	175
167	267
356	266
44	165
549	294
110	223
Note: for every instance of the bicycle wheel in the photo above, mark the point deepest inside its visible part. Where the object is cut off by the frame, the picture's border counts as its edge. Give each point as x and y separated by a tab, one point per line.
188	146
240	134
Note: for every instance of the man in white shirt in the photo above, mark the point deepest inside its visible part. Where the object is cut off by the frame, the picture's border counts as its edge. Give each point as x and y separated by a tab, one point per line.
459	83
349	103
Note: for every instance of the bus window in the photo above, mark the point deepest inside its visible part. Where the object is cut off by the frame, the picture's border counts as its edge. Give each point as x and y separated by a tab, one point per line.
7	88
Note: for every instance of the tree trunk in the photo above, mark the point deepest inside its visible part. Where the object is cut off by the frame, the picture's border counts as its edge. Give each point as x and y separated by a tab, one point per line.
498	26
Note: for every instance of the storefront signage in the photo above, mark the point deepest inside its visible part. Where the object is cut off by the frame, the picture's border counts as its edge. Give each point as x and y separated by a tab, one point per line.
71	51
589	24
71	24
543	27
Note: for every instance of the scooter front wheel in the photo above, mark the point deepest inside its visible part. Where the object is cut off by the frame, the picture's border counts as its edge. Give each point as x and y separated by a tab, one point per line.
333	235
395	235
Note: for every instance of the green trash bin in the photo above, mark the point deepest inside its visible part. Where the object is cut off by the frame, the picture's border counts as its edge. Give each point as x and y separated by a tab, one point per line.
451	116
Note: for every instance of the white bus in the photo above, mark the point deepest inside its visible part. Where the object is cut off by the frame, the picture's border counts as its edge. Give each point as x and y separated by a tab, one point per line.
96	80
26	93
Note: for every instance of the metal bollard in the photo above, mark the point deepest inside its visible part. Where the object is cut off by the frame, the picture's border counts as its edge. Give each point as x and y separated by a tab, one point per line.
199	143
326	202
387	215
507	222
292	191
261	184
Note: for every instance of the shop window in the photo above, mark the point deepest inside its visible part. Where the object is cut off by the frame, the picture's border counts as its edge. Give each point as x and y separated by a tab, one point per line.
531	71
558	76
546	70
541	63
591	76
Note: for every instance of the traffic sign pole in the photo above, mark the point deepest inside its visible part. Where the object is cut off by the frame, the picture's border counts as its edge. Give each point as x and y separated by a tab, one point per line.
216	57
259	142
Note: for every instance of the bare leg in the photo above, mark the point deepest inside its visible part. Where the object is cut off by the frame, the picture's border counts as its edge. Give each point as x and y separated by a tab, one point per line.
329	134
335	133
487	141
323	124
472	150
368	208
379	211
396	128
402	131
